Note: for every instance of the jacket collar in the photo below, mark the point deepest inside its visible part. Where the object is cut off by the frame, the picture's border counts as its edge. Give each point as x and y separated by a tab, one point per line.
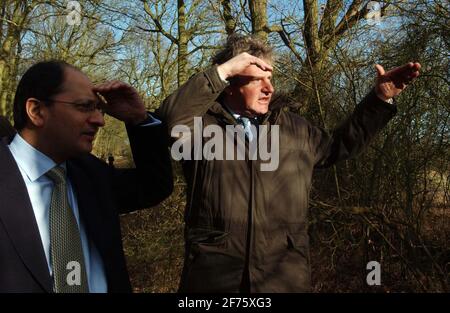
30	160
18	218
225	117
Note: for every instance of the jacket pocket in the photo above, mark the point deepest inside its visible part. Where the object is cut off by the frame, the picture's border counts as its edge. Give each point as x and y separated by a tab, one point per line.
299	243
204	243
204	236
210	266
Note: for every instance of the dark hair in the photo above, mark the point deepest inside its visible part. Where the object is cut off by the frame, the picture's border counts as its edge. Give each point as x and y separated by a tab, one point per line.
237	44
41	81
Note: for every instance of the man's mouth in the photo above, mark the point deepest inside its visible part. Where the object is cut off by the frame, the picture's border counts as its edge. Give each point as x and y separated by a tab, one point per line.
90	134
264	99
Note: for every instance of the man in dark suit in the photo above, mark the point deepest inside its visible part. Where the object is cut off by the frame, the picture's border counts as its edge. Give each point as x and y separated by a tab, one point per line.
60	205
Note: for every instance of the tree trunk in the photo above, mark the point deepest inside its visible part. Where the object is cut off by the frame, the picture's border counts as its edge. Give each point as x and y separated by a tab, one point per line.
10	51
7	67
230	23
258	11
182	43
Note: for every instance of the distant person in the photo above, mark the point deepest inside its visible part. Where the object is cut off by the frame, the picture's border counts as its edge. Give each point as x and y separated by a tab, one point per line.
247	229
60	205
111	160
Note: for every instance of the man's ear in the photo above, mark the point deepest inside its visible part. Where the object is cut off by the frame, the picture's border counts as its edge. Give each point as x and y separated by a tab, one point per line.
34	109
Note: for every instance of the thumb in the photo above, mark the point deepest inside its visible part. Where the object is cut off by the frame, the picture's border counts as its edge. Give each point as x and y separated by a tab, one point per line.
380	70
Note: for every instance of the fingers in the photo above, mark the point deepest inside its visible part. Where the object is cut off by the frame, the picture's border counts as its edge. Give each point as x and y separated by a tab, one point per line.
238	64
411	72
403	75
261	64
380	69
407	70
109	91
245	59
110	86
414	66
415	70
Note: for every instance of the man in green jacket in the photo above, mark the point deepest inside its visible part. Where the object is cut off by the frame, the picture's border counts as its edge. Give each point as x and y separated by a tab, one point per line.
247	228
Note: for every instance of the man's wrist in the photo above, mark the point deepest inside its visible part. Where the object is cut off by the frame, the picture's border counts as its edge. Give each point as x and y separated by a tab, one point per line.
383	98
139	119
222	72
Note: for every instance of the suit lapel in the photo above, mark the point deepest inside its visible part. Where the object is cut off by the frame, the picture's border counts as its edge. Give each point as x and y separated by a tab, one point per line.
17	216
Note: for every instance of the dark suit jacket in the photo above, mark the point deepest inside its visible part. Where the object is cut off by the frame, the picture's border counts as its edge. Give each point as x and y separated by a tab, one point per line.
6	128
102	194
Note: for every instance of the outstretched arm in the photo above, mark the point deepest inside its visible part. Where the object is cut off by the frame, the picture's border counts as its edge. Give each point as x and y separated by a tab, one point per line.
369	117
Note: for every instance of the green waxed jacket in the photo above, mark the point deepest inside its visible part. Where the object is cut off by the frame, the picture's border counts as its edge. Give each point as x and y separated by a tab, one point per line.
239	217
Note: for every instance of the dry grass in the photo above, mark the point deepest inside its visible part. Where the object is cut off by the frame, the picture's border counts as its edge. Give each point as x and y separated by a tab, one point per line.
153	243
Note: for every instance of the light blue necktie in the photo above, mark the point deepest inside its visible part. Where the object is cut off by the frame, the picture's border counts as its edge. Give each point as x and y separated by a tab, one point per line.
246	122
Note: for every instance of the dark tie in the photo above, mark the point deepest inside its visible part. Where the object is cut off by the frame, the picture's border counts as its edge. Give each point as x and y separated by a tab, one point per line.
66	253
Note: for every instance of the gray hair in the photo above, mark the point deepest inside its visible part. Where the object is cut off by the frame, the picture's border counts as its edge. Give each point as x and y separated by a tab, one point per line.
237	44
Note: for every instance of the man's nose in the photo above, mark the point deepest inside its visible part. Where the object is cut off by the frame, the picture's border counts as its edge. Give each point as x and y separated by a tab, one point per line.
268	87
97	118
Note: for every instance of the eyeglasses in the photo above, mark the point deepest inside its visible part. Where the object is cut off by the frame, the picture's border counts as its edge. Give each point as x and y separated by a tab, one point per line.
85	107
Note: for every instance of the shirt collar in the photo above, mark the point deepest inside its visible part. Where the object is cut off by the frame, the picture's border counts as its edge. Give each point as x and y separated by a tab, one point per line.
238	116
30	160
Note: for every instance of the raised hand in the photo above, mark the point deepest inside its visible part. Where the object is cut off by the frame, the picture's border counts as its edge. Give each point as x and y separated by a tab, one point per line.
122	102
390	84
239	63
